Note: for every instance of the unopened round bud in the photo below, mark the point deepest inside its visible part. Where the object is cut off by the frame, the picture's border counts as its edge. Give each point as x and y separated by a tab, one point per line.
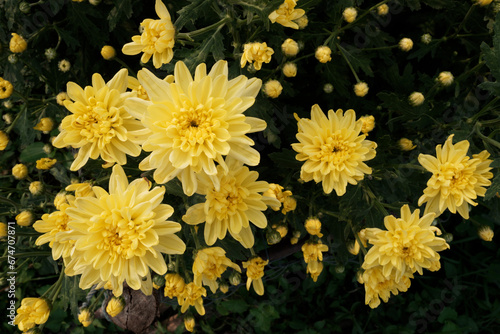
235	278
448	237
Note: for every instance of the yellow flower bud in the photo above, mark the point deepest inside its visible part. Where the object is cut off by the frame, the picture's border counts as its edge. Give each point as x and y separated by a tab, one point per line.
482	3
282	230
289	204
353	247
350	14
36	187
3	230
108	52
17	43
361	89
290	70
235	278
4	140
368	123
85	317
45	163
189	323
328	88
20	171
46	125
7	117
223	287
290	48
313	226
445	78
61	97
426	38
416	99
115	306
383	10
323	54
486	233
302	22
64	65
273	88
405	44
25	218
406	144
6	88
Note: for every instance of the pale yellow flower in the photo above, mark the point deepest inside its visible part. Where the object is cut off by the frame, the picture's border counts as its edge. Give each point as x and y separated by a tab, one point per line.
313	226
45	163
108	52
232	205
289	204
255	272
195	123
209	265
192	295
313	251
131	222
33	311
4	140
20	171
157	39
290	48
82	189
426	38
115	306
323	54
45	125
6	88
61	97
349	14
290	70
457	180
409	244
60	199
445	78
64	65
273	88
314	268
383	10
25	218
98	124
256	54
361	89
416	99
302	21
406	144
333	149
85	317
406	44
486	233
368	123
35	187
189	323
286	13
482	3
17	43
174	285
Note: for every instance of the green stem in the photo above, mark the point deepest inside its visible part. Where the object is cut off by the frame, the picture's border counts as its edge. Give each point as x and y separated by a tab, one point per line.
190	35
96	300
252	251
381	48
485	109
469	12
333	214
341	49
195	237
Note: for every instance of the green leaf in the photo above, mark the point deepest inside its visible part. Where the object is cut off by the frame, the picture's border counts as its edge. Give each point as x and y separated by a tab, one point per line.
493	189
447	314
191	12
123	9
357	60
23	126
32	153
212	44
232	306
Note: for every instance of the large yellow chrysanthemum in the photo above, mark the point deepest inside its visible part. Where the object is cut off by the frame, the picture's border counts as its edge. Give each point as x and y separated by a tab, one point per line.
333	149
120	235
238	202
195	122
456	178
98	124
157	38
409	244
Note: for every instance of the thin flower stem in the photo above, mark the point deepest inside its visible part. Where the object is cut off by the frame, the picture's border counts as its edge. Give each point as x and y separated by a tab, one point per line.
380	48
96	300
341	49
195	237
190	35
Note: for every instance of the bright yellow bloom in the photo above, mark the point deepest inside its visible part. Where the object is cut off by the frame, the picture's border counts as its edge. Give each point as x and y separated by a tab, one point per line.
290	70
383	10
290	48
192	295
378	286
361	89
289	204
6	88
64	65
313	251
174	285
98	124
20	171
85	317
46	124
368	123
286	13
33	311
17	43
416	99
482	3
45	163
282	230
115	306
323	54
194	123
276	191
108	52
121	235
445	78
256	54
350	14
314	268
157	39
255	272
456	178
189	323
333	149
409	244
406	144
273	88
61	97
25	218
209	265
232	207
486	233
313	226
4	140
405	44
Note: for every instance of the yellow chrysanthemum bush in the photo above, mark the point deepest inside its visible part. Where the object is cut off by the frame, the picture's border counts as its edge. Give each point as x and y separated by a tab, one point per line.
228	166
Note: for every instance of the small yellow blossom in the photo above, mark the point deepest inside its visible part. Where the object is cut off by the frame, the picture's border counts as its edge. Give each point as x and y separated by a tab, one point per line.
209	265
313	226
353	247
368	123
3	230
36	187
33	311
45	163
416	99
445	78
273	237
6	88
108	52
426	38
174	285
224	287
20	171
64	65
285	197
25	218
83	189
302	22
350	14
8	105
406	144
256	54
17	43
286	14
60	199
61	97
290	48
314	268
115	306
192	295
45	125
323	54
383	10
189	323
313	251
361	89
273	88
4	140
290	70
85	317
486	233
482	3
255	272
405	44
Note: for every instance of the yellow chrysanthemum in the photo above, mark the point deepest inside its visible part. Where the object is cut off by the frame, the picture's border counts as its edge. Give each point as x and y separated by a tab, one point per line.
98	124
157	38
378	286
189	323
85	317
45	125
174	285
255	272
313	251
456	178
108	52
25	218
115	306
313	226
17	43
192	295
333	149
409	244
45	163
486	233
194	123
256	54
231	205
4	140
314	268
33	311
209	265
6	88
121	235
286	13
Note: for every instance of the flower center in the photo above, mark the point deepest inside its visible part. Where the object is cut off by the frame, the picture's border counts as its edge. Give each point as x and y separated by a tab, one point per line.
454	178
158	35
335	150
404	244
228	200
